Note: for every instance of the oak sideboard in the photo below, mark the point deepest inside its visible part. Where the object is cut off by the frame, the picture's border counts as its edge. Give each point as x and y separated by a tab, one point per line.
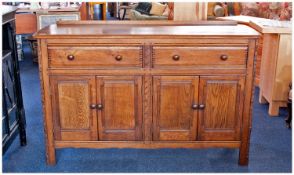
147	85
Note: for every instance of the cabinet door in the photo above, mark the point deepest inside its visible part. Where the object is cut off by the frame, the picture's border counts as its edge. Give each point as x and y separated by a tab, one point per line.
120	117
173	116
223	99
71	99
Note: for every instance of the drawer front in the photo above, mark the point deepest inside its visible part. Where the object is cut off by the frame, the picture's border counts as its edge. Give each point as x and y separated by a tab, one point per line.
95	56
199	56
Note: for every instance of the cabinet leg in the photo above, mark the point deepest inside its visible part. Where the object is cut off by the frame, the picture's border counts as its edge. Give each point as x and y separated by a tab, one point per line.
243	154
261	99
273	109
51	160
244	148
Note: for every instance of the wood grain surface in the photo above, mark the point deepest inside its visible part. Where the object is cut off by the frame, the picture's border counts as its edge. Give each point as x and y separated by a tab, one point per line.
82	30
95	56
73	118
121	116
195	56
222	97
173	116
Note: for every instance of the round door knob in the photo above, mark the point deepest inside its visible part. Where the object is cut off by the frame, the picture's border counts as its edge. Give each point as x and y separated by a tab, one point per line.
93	106
70	57
224	57
194	106
99	106
176	57
118	57
201	106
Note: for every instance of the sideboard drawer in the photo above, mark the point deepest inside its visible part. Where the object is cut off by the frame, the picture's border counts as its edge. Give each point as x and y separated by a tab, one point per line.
199	56
113	56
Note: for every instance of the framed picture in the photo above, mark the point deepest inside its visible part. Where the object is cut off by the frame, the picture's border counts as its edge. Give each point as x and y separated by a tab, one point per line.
45	19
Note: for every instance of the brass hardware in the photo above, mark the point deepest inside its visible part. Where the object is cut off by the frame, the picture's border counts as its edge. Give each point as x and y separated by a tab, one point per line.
70	57
93	106
176	57
201	106
224	57
118	57
99	106
194	106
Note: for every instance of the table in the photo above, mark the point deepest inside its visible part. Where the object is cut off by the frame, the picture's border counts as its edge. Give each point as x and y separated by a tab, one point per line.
33	17
276	64
29	21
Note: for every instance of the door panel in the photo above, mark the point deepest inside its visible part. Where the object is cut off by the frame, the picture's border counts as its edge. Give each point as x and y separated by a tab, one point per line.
173	116
121	115
223	100
71	100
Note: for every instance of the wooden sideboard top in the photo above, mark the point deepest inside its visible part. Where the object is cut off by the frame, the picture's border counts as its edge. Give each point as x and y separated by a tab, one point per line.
82	29
272	26
241	19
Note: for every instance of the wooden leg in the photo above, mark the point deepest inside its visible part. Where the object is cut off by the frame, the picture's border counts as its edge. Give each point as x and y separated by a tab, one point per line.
256	81
244	147
244	153
274	109
261	99
51	160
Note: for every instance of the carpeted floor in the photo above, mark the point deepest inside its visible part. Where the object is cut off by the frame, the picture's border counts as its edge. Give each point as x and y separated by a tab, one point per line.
270	149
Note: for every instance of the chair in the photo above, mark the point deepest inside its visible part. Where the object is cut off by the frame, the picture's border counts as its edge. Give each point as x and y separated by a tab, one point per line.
122	10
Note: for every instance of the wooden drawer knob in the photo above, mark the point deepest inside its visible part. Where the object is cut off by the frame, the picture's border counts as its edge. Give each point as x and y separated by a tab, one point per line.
118	57
176	57
224	57
99	106
194	106
70	57
201	106
93	106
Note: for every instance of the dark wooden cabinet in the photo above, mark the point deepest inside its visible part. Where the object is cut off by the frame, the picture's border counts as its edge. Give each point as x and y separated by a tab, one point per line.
119	100
13	113
222	98
147	85
173	115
